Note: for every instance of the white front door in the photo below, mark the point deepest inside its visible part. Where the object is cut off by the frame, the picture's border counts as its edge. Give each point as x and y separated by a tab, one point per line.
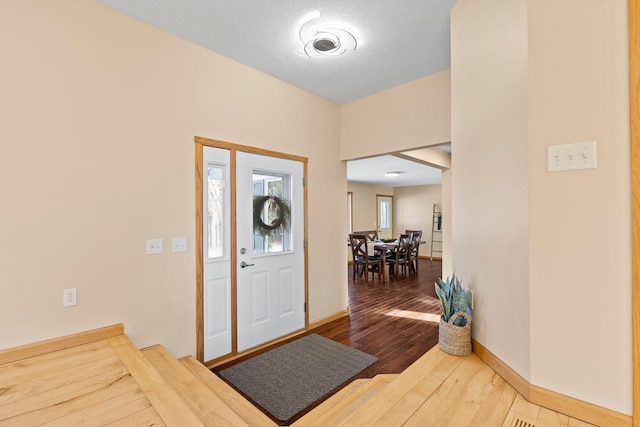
270	248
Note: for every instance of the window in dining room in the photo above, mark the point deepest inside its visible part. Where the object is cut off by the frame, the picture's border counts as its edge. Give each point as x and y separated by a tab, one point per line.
385	216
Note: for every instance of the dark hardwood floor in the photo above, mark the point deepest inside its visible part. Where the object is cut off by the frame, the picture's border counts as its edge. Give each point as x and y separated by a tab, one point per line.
396	321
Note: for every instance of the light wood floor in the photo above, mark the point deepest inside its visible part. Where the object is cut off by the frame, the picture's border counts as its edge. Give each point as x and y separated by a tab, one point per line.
107	381
437	390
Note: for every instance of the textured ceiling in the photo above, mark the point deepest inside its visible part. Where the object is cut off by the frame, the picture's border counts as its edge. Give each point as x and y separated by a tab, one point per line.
372	171
397	41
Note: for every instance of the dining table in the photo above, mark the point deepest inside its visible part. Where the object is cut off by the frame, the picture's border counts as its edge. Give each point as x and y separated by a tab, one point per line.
383	248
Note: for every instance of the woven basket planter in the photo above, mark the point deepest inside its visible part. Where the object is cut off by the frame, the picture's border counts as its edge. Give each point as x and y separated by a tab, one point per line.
455	340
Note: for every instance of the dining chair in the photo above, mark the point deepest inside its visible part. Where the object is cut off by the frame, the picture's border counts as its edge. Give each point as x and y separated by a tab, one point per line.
372	235
415	236
399	258
361	258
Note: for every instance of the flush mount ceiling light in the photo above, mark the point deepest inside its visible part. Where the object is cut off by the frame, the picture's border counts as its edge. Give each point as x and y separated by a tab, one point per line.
322	38
392	173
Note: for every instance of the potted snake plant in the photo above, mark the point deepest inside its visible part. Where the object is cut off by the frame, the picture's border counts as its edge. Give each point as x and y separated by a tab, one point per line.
455	323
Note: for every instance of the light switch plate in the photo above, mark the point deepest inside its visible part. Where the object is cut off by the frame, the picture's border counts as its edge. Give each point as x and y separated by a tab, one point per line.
179	244
580	155
154	246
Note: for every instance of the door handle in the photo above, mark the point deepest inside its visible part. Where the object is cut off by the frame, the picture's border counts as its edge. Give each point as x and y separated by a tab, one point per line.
244	264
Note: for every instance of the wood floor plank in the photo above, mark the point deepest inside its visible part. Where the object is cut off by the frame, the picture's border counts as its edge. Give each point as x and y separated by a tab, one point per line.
433	368
496	405
106	411
55	360
409	403
171	408
249	413
34	383
210	408
156	422
550	418
130	413
82	400
320	410
465	409
351	402
55	396
524	408
145	417
440	406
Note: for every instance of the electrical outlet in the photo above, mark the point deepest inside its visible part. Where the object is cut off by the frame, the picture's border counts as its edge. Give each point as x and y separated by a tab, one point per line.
69	297
154	246
179	244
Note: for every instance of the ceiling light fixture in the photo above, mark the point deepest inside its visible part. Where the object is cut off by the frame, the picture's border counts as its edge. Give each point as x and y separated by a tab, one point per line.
325	39
392	173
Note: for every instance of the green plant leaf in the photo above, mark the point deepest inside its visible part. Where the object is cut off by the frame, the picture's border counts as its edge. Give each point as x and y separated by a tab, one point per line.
453	298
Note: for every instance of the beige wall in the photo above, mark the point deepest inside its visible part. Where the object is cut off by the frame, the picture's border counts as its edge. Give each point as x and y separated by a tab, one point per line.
489	173
579	222
99	114
413	210
364	204
413	115
546	253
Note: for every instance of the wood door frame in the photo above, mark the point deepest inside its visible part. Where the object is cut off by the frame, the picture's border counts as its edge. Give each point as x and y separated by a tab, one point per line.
634	107
200	143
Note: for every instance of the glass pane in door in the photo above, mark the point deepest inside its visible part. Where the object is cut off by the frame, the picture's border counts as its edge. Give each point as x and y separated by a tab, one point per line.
215	212
271	212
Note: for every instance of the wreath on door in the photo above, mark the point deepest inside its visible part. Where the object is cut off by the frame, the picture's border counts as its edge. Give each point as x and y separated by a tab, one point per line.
278	215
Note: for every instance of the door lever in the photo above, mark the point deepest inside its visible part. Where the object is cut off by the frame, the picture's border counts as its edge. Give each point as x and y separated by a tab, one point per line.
244	264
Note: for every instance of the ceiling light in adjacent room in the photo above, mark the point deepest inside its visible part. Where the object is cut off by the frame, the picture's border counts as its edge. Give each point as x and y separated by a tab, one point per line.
323	38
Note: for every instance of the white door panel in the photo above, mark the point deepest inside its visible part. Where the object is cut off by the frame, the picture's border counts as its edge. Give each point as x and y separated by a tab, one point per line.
287	291
259	297
218	313
270	289
216	253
